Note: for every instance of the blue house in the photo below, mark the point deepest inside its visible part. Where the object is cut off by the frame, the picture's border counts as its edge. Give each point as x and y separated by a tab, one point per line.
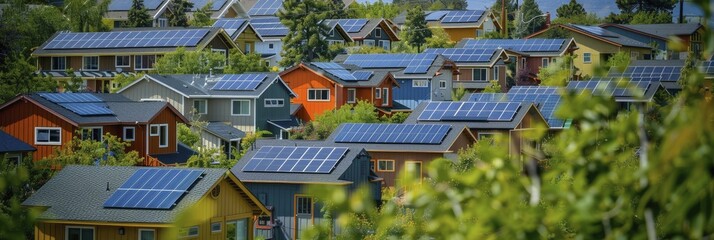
278	173
659	34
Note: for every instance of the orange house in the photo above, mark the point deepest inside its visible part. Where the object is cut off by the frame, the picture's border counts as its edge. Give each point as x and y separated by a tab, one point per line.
322	86
48	121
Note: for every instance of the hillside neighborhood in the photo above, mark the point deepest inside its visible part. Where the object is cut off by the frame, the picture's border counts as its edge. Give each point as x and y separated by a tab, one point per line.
343	119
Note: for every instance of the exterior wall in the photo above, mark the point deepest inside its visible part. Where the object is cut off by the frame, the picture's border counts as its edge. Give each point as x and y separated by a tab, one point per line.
263	114
390	178
152	90
219	109
247	36
209	140
442	94
336	36
264	48
165	117
56	231
139	143
22	117
383	37
410	96
456	34
300	81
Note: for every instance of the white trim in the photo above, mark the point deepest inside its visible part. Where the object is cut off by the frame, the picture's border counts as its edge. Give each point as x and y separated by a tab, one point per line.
440	83
544	62
138	66
377	93
386	43
318	89
124	138
52	64
83	63
279	102
220	224
240	114
496	73
188	235
378	30
354	95
364	42
151	129
146	230
205	108
485	74
385	96
66	231
426	83
158	133
101	130
590	56
48	137
117	64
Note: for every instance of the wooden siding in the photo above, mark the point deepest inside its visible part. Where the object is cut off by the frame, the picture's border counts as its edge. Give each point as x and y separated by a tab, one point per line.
247	36
149	89
219	109
300	80
165	117
276	90
456	34
400	158
410	96
56	231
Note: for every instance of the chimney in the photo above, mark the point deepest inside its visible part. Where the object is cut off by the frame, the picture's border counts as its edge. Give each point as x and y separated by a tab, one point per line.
547	19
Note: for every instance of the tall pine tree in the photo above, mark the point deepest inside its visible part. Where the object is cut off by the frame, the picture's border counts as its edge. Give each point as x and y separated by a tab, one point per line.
572	9
304	41
138	15
529	19
416	29
202	16
177	13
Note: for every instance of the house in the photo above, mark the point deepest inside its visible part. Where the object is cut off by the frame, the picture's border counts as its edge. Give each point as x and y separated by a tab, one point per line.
547	99
50	120
395	148
368	32
337	34
278	172
526	56
270	7
241	31
248	102
324	86
12	150
477	67
657	35
111	202
98	57
272	31
666	72
421	76
458	24
596	45
118	10
627	98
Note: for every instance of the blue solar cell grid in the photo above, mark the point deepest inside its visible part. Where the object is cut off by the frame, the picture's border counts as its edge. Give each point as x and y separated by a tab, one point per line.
664	73
521	45
217	4
547	99
595	30
128	39
610	88
352	25
88	109
266	7
152	188
70	97
469	111
295	159
248	81
230	25
336	69
707	67
436	16
463	16
269	26
392	133
465	54
124	5
362	75
413	63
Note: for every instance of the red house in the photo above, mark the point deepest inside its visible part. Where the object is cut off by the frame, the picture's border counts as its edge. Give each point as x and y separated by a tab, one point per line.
324	86
50	120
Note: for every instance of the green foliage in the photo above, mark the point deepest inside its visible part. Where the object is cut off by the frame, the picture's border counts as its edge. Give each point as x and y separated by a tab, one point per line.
74	83
337	9
364	49
17	183
377	9
439	39
108	152
511	10
415	28
529	21
642	12
458	93
633	6
590	19
250	138
493	87
559	72
177	13
240	63
210	158
18	77
305	42
494	35
23	28
190	136
647	17
619	61
122	80
86	16
189	62
571	9
323	125
397	117
202	17
138	15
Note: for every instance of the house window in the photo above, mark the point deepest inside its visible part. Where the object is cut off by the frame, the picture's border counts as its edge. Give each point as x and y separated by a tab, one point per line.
200	106
385	165
586	58
79	233
496	76
479	33
122	61
248	47
544	62
92	133
523	63
144	62
385	100
369	42
129	134
162	131
384	44
351	92
270	46
372	165
147	234
318	94
216	227
420	83
332	32
90	63
303	205
188	232
378	93
154	130
240	107
274	102
442	84
163	22
48	136
479	74
378	32
59	63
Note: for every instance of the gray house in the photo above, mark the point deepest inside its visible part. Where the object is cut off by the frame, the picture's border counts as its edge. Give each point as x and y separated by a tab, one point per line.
376	32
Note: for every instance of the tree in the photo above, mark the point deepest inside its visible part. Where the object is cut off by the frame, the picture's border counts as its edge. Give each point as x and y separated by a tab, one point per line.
634	6
558	73
585	19
511	9
651	17
366	50
189	135
189	62
202	17
378	9
74	83
529	20
23	28
122	80
17	183
337	9
439	39
456	4
416	29
177	12
642	11
304	41
110	151
323	125
86	16
458	93
138	15
493	87
572	9
19	77
240	63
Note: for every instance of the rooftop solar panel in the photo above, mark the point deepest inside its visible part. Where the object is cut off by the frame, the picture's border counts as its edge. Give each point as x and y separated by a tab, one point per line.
128	39
233	82
664	73
547	99
464	54
412	63
266	7
707	67
153	188
124	5
392	133
352	25
469	111
462	16
230	25
611	88
595	30
216	4
88	109
521	45
436	16
336	69
70	97
269	26
295	159
362	75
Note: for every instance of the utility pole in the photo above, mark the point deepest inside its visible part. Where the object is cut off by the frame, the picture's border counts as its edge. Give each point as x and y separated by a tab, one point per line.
503	18
681	11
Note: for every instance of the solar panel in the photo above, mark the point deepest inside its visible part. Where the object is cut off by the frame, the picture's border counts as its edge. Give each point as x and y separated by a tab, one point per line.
124	5
352	25
547	99
664	73
336	69
198	4
127	39
269	26
707	67
436	16
418	63
88	109
230	25
362	75
611	88
70	97
595	30
232	82
392	133
521	45
295	159
462	16
465	54
153	188
266	7
469	111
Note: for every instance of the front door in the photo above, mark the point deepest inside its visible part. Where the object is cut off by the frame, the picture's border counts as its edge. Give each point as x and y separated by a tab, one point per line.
237	229
303	214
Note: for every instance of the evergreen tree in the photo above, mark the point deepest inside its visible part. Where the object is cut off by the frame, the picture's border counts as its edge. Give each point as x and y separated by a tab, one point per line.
511	8
304	41
416	29
572	9
138	15
86	16
337	9
634	6
177	12
202	17
528	21
456	4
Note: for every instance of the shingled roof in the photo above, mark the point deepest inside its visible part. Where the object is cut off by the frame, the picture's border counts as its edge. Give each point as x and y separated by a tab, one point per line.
11	144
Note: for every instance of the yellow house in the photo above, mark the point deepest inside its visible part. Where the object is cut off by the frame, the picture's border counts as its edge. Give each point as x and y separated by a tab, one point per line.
595	45
458	24
241	31
108	202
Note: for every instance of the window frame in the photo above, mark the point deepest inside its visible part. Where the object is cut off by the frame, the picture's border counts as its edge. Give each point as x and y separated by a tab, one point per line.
385	96
415	85
385	44
146	230
485	74
133	134
52	64
248	47
544	62
205	106
378	32
377	93
587	57
66	231
496	73
158	134
271	46
162	22
354	95
49	140
394	166
140	66
188	232
523	63
84	63
116	60
316	91
151	130
442	84
373	43
479	33
634	55
101	131
220	227
233	101
279	102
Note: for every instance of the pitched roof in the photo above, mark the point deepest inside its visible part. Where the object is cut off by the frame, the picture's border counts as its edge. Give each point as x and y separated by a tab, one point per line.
180	157
512	124
235	26
521	46
190	85
598	33
224	131
375	79
399	72
470	56
119	9
664	30
366	29
457	129
11	144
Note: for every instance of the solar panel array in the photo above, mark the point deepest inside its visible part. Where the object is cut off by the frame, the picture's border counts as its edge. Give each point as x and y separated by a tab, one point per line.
336	69
233	82
83	104
521	45
595	30
392	133
217	4
436	16
352	25
547	100
293	159
707	67
88	109
70	97
418	63
465	54
664	73
469	111
153	188
462	16
362	75
611	88
230	25
266	7
128	39
269	26
123	5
